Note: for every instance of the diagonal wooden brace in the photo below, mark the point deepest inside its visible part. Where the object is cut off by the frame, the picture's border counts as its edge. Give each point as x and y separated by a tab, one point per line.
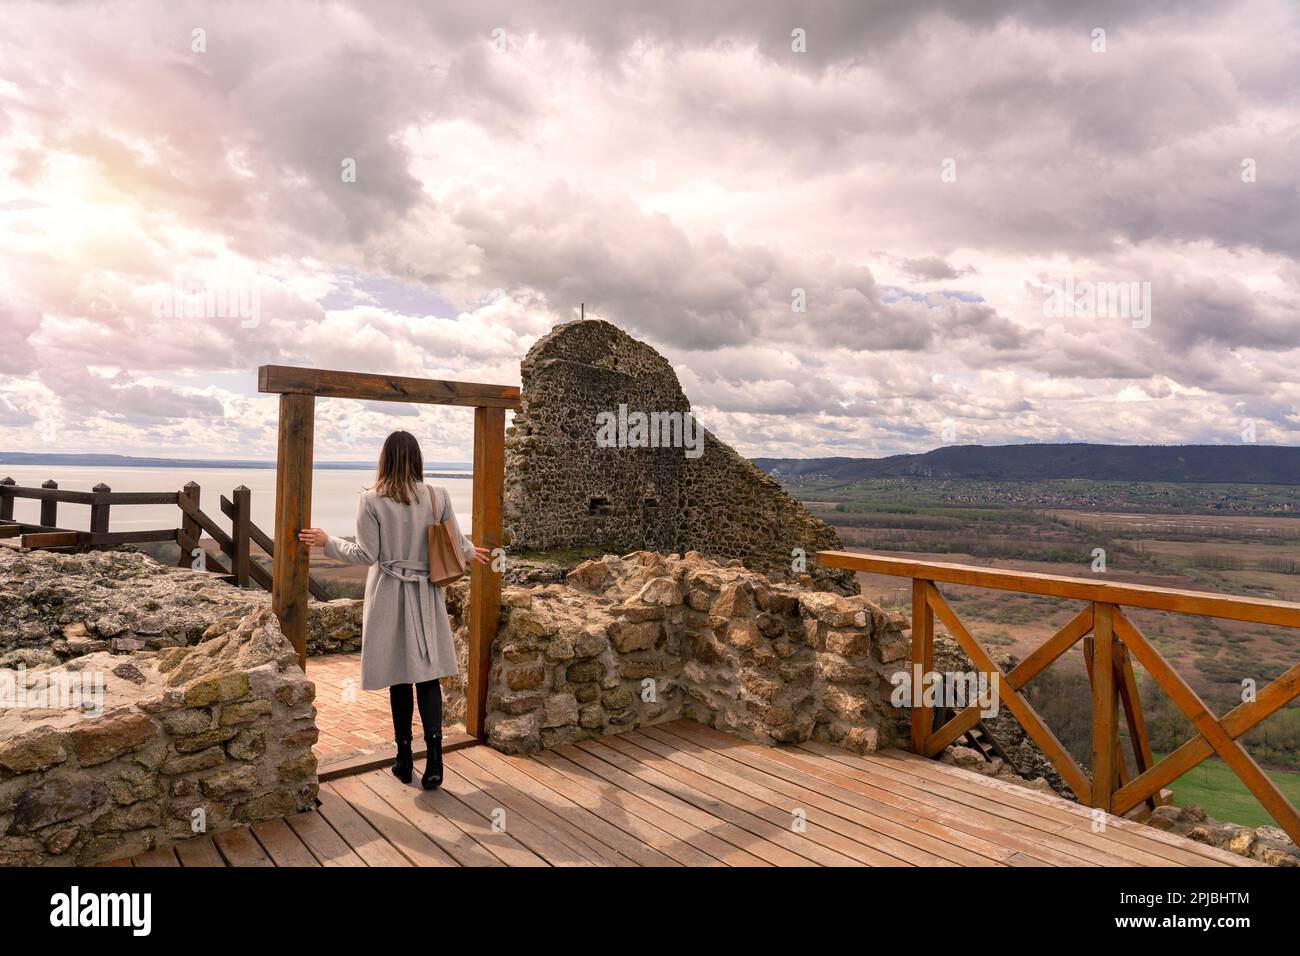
1065	765
1020	675
1211	730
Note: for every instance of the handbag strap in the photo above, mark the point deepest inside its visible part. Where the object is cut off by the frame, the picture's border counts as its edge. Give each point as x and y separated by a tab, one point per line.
433	503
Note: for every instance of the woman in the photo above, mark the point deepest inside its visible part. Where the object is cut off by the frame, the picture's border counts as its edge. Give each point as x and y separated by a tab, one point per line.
405	634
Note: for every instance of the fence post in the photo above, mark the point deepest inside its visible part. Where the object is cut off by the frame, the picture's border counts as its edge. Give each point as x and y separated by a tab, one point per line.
50	508
6	501
291	566
1104	699
922	663
484	580
240	516
99	511
189	526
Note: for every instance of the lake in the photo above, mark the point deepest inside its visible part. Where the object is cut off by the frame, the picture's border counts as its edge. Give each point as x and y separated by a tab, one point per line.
333	499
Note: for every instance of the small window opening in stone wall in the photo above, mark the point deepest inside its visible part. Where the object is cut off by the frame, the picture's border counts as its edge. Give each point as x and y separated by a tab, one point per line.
599	507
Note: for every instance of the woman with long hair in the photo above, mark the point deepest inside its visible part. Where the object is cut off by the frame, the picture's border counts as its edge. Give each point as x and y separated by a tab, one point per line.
405	633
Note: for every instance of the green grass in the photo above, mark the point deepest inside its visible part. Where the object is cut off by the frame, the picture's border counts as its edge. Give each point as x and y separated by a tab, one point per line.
1216	788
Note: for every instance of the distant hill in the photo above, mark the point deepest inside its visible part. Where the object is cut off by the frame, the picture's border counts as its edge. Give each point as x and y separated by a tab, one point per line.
1259	464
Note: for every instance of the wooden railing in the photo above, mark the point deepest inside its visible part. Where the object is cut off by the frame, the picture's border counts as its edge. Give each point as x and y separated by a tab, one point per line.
1113	639
235	545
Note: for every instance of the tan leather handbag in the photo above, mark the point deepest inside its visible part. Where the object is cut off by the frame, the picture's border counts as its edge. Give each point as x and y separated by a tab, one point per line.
446	560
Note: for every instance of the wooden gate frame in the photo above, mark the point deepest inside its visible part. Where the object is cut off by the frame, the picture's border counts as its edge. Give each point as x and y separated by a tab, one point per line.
298	389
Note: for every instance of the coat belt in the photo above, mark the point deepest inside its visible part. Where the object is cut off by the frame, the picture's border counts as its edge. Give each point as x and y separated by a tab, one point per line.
419	604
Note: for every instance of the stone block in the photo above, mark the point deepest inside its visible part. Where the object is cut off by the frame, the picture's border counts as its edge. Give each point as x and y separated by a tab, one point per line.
100	740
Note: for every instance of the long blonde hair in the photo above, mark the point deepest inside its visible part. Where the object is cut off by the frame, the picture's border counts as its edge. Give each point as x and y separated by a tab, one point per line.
401	468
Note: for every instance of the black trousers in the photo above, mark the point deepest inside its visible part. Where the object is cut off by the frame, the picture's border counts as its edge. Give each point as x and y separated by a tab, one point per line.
429	696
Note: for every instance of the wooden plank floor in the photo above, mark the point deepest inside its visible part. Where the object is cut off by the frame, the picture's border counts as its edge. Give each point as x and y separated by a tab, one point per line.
680	794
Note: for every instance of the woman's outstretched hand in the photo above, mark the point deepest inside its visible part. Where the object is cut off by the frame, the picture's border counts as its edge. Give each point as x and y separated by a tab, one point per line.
482	555
313	537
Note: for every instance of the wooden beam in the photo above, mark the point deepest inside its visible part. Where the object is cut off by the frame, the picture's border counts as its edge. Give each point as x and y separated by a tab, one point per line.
1033	725
190	545
1255	610
263	541
214	530
1103	706
922	661
100	539
1236	722
484	582
7	499
50	506
189	527
50	539
1029	668
99	511
26	528
327	383
1225	745
366	761
137	498
1126	684
50	491
292	562
239	522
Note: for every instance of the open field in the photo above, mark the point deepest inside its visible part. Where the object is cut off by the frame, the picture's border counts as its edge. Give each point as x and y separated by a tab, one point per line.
1215	788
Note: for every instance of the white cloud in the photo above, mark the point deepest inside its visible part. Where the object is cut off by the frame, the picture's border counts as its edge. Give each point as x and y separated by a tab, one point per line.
681	171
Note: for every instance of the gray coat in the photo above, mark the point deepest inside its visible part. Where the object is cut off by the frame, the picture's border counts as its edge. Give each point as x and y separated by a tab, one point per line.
405	634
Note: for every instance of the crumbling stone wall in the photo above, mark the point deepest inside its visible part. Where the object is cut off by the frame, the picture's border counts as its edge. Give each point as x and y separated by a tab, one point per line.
1267	844
55	607
630	641
563	491
213	735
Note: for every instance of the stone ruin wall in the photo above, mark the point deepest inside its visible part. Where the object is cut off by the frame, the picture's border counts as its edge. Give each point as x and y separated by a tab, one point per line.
191	739
564	492
720	644
54	607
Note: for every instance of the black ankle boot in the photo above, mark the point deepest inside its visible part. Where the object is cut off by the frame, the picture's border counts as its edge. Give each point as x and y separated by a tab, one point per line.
432	778
404	763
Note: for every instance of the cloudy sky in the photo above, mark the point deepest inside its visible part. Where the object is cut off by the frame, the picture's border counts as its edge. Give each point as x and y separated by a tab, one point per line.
916	177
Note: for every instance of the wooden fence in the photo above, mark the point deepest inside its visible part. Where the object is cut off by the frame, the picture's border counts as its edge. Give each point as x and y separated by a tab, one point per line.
1113	639
236	545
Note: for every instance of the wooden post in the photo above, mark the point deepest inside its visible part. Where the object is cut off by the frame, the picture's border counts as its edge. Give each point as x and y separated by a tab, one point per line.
922	662
484	582
99	511
1104	703
6	501
292	562
50	508
1126	684
189	527
239	521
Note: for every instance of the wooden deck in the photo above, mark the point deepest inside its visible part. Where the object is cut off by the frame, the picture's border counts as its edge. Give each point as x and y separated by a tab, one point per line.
680	794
